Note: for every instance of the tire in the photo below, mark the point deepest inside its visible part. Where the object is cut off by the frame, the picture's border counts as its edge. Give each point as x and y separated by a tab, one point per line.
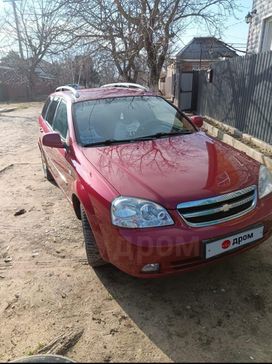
47	174
92	252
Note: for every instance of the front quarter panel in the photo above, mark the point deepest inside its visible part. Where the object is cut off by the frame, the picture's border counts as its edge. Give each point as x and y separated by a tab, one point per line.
96	195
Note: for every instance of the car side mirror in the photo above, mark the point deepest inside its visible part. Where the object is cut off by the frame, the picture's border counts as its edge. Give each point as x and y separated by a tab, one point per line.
197	120
53	140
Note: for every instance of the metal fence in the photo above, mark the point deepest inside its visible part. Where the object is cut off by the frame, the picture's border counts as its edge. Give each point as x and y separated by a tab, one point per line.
240	94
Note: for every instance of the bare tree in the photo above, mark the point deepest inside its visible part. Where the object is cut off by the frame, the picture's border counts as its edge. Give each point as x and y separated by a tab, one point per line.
105	66
13	69
134	35
159	21
44	30
77	69
102	25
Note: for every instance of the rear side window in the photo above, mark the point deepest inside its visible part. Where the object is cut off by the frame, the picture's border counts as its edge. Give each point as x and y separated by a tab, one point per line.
60	123
51	111
45	107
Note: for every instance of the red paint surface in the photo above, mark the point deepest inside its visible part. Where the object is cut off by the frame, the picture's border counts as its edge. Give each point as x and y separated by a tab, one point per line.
167	171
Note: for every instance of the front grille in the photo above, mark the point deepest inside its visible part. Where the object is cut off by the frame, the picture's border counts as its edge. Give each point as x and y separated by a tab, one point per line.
218	209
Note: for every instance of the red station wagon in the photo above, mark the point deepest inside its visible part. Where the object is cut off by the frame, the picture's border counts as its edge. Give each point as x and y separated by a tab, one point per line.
155	194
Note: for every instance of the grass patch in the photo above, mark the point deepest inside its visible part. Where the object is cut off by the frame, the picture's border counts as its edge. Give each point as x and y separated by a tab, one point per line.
34	351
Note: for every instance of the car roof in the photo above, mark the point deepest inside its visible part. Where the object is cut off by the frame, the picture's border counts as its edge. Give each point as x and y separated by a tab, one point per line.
103	93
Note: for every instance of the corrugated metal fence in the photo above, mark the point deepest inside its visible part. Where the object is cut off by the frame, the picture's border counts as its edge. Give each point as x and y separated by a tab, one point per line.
240	94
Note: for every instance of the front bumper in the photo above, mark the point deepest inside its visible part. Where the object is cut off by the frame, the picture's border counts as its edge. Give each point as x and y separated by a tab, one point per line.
179	247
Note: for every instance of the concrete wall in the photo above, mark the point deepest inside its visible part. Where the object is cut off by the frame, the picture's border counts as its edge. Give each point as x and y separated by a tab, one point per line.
264	11
167	85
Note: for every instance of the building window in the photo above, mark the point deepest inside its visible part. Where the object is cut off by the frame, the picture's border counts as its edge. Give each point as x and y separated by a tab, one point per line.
267	35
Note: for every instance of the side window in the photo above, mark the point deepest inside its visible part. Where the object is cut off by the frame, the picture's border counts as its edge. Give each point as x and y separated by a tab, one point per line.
267	37
45	107
60	123
51	111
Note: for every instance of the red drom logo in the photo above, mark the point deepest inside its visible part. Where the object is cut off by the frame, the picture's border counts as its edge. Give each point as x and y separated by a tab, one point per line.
226	244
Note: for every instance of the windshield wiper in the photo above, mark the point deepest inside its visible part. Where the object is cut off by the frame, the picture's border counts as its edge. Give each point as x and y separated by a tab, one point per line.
105	142
163	134
148	137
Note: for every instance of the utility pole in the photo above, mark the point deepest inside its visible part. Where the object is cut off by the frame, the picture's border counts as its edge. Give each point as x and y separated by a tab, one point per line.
17	25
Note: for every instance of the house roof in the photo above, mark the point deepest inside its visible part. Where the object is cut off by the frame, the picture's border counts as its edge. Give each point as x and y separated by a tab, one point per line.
208	48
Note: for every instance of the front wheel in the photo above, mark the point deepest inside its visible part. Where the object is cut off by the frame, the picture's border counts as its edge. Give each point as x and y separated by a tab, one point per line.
92	252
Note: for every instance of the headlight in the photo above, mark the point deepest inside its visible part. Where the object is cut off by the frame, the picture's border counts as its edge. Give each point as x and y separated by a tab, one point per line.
265	182
137	213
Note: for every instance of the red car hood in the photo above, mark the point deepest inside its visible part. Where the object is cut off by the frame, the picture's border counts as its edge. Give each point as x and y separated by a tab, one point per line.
172	170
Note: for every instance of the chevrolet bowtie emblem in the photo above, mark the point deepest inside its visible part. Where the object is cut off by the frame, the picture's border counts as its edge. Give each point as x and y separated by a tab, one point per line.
225	208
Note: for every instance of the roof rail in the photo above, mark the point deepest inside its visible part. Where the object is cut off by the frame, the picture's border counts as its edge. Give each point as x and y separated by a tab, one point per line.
125	84
68	88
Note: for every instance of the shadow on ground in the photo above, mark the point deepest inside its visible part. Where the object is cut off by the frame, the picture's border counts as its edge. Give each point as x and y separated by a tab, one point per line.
223	310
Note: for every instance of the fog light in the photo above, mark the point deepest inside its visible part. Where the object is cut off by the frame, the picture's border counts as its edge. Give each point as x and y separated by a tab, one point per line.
150	268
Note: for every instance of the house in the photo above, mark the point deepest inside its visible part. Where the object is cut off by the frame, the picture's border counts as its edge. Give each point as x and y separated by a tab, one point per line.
201	52
197	55
14	83
260	27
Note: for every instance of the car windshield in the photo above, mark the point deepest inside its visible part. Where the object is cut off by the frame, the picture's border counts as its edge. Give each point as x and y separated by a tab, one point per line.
124	119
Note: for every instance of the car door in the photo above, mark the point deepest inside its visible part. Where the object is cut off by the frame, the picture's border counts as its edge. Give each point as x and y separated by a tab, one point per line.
60	157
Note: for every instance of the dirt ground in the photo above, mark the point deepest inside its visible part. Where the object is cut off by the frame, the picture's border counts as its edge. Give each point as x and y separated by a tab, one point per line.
220	313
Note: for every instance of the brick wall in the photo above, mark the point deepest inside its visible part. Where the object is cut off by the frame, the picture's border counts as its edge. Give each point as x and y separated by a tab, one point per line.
264	10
